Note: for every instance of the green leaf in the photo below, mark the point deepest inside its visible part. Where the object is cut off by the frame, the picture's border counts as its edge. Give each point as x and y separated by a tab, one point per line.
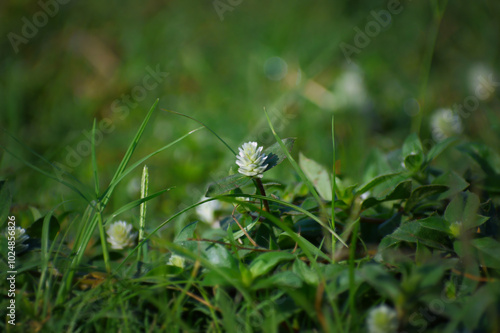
318	175
413	232
487	159
215	254
276	155
308	228
377	181
186	232
390	225
285	279
161	273
455	183
431	274
401	191
477	306
381	280
305	272
422	192
413	153
463	209
267	261
227	184
487	250
215	278
285	238
219	256
438	148
435	223
376	164
36	229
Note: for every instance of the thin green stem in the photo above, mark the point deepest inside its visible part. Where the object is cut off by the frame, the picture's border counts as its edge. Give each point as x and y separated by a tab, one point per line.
352	257
262	190
426	64
104	245
334	240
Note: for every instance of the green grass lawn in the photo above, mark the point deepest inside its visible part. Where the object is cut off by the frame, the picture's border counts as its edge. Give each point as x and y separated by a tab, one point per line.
372	207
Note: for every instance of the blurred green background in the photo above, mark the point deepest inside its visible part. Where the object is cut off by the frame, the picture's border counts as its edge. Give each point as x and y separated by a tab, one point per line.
223	62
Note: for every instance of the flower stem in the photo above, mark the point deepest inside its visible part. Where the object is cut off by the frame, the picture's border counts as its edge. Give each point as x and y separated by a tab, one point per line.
260	186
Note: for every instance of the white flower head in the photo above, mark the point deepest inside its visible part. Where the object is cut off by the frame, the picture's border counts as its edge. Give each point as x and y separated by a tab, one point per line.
20	236
382	319
482	81
251	160
445	123
207	210
176	260
120	235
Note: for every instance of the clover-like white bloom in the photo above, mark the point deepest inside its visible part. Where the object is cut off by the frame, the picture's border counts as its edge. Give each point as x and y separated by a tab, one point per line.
176	260
251	160
445	123
207	210
20	237
382	319
120	235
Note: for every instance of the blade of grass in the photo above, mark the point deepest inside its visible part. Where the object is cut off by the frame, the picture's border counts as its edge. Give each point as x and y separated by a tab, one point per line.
128	154
135	203
94	161
299	209
301	174
142	160
208	128
333	187
96	217
41	158
427	63
102	233
45	257
294	163
81	193
352	255
104	244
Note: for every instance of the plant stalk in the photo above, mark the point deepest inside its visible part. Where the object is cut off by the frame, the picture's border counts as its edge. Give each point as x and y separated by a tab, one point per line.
260	186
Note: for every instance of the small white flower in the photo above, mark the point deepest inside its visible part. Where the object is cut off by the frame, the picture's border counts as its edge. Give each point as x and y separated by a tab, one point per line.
207	210
20	236
176	260
482	81
445	123
121	235
382	319
251	160
349	89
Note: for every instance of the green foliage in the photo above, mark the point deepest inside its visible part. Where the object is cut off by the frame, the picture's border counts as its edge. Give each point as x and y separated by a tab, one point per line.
420	215
421	240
